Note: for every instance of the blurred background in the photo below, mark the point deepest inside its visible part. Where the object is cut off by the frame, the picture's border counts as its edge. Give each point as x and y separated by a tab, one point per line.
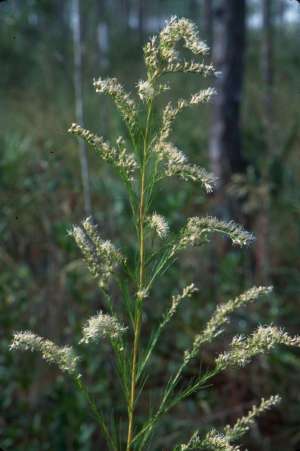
249	136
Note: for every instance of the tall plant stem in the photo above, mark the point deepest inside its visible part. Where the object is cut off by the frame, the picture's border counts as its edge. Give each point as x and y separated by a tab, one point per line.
138	310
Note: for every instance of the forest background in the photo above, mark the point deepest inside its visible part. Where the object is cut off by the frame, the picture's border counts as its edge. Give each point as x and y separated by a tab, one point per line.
50	50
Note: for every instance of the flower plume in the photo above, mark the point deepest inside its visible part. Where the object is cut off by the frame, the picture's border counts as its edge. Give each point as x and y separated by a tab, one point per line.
222	441
161	54
186	293
213	441
101	255
64	357
159	224
123	101
145	90
175	30
175	163
198	230
101	325
121	159
221	316
242	349
244	423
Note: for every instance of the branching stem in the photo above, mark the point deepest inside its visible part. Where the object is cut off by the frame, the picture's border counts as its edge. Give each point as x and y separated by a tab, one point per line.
140	286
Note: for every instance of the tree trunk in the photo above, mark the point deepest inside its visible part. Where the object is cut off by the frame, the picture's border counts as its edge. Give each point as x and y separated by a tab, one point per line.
229	27
77	43
228	55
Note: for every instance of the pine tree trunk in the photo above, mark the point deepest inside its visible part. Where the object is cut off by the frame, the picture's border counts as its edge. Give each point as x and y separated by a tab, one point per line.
225	135
77	44
228	55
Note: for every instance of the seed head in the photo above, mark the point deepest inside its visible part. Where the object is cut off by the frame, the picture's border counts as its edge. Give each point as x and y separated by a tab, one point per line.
159	224
123	101
242	349
198	230
64	357
102	326
145	90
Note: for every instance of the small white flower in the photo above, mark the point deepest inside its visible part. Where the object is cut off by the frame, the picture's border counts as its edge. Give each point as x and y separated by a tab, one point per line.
145	90
159	225
101	325
101	255
142	294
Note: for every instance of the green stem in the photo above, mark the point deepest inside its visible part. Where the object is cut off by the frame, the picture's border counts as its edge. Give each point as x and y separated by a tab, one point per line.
140	286
165	406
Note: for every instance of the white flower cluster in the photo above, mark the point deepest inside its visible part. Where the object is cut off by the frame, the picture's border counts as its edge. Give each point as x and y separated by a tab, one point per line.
170	112
203	96
142	294
101	255
186	293
161	54
245	423
168	117
159	224
191	67
243	349
214	441
174	157
121	160
152	57
222	441
175	30
64	357
124	103
175	163
217	441
195	174
221	317
102	325
198	229
145	90
125	161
